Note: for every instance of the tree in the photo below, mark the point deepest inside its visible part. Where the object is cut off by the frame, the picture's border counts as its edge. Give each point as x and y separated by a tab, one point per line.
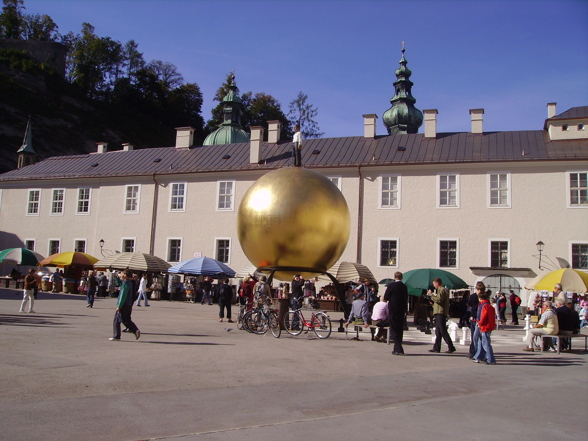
39	27
303	114
264	108
167	73
132	58
11	19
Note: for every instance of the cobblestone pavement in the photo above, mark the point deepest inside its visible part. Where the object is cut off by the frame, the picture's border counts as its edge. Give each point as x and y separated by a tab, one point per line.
190	377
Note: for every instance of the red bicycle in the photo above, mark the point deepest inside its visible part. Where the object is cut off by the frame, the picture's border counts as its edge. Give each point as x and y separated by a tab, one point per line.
294	323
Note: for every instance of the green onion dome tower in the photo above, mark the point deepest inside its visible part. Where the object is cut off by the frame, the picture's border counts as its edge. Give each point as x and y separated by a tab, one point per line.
403	117
230	131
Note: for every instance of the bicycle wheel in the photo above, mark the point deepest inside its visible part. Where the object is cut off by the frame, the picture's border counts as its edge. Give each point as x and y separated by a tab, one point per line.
274	324
245	320
321	325
257	322
240	323
293	323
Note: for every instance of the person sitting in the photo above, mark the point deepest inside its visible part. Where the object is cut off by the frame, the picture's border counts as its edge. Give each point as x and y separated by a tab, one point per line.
548	325
380	319
567	319
360	313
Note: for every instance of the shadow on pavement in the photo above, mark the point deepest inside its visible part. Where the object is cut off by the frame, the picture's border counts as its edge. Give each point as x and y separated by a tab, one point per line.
28	320
186	343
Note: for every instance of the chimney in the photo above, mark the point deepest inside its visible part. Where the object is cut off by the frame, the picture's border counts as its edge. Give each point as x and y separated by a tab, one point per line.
255	144
551	112
273	133
430	123
127	147
184	137
477	120
369	125
102	147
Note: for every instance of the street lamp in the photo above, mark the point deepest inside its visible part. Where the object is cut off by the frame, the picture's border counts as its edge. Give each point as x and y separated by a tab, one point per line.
540	246
101	246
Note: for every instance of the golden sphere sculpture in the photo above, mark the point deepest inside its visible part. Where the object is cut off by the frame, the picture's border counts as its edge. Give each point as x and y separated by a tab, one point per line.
293	217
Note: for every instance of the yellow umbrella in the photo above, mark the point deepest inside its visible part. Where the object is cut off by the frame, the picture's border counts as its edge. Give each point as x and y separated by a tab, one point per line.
69	258
571	280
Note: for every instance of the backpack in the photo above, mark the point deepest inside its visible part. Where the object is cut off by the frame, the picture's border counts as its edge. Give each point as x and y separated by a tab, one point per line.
260	291
517	300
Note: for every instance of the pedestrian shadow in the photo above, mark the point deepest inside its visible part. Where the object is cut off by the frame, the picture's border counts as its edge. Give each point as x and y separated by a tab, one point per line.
28	320
186	343
177	335
540	360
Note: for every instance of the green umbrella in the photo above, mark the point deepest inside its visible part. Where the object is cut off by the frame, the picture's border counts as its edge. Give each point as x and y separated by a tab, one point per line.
422	279
20	256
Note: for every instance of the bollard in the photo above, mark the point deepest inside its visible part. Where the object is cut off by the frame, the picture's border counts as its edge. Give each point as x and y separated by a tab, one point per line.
341	328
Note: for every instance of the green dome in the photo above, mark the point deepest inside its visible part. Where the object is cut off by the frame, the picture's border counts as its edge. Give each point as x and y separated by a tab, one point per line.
227	135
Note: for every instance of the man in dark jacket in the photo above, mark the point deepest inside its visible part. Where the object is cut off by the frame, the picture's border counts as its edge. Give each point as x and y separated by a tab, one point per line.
225	298
397	297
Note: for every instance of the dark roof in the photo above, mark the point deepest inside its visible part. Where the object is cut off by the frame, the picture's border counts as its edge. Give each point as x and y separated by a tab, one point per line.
574	112
392	150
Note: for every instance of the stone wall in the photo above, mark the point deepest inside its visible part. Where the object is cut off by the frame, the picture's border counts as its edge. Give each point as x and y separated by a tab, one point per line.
48	52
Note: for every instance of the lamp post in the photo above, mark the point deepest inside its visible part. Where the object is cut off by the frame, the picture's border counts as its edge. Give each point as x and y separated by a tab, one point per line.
101	246
540	246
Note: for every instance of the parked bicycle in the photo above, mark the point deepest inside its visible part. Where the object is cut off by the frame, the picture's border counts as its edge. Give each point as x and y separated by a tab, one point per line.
260	319
294	322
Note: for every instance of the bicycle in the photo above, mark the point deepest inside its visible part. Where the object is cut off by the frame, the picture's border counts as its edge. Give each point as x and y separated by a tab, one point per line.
260	319
294	322
242	312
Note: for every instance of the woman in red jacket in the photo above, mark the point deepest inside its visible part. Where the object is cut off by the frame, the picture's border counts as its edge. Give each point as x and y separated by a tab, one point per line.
486	324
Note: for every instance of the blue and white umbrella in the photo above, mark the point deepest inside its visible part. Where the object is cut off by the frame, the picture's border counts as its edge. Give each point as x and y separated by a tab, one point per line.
205	266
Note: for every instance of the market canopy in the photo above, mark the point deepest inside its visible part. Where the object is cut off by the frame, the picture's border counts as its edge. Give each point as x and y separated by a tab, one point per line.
351	272
421	279
205	266
69	258
20	256
133	261
570	279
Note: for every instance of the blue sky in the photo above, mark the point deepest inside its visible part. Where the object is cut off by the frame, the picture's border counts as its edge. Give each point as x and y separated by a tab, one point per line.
508	57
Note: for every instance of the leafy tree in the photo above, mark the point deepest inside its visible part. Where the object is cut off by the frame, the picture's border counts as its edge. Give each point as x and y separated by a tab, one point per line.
12	19
167	73
132	58
39	27
264	108
303	114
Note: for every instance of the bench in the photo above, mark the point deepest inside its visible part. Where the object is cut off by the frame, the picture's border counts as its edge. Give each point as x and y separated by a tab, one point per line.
560	336
359	327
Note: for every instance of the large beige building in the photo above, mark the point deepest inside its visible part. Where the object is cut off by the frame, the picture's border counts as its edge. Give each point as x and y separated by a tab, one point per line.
475	203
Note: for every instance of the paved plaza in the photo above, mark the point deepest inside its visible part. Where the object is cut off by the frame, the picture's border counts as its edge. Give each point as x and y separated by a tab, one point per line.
190	377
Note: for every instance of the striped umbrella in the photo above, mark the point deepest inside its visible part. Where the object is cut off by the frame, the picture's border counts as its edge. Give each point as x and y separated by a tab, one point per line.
133	261
352	272
20	256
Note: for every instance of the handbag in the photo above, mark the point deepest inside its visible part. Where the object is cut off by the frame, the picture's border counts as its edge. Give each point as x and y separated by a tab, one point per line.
118	317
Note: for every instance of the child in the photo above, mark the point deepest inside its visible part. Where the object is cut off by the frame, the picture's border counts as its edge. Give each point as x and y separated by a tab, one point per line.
486	324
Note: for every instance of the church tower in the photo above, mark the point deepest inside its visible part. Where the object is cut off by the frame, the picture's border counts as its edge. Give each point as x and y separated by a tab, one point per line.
403	117
26	153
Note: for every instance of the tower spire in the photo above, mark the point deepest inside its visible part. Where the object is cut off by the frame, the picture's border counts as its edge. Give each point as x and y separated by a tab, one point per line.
26	152
403	117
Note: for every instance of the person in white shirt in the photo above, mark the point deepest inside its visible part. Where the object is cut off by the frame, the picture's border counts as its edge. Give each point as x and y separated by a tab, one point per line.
297	146
380	319
143	290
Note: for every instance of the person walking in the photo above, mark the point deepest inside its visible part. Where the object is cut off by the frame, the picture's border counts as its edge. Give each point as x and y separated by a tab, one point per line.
486	323
440	298
143	290
206	288
91	287
225	297
28	294
124	308
397	297
473	303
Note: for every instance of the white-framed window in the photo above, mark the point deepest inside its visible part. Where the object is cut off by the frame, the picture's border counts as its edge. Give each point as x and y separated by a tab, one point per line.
132	193
225	191
57	201
33	202
390	188
30	244
335	180
579	252
223	250
499	190
578	189
388	253
499	253
448	190
83	201
80	245
128	245
177	199
54	246
174	249
448	253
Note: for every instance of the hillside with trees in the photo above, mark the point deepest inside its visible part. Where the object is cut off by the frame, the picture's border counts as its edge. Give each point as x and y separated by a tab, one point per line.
80	89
